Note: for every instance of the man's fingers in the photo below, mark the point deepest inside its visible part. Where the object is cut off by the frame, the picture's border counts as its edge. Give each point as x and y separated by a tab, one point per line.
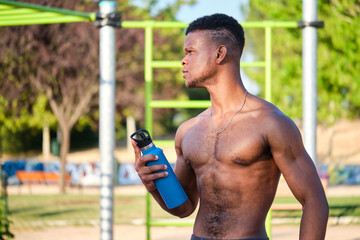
142	161
151	177
153	168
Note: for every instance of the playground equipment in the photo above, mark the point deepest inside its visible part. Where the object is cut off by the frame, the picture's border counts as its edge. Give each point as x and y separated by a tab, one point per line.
17	13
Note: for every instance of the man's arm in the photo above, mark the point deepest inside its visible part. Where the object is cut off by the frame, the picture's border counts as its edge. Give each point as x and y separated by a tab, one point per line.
182	170
300	174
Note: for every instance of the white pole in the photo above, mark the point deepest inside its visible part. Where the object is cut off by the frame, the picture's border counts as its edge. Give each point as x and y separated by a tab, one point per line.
309	77
107	121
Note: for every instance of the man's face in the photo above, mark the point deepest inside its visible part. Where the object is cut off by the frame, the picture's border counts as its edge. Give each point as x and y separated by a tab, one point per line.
199	61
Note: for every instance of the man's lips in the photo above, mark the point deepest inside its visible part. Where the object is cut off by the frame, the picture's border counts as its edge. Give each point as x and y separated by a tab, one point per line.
184	71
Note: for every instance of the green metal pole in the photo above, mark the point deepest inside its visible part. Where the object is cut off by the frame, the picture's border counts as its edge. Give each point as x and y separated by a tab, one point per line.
156	24
268	224
30	15
177	64
268	59
45	8
268	63
148	109
180	104
148	74
51	20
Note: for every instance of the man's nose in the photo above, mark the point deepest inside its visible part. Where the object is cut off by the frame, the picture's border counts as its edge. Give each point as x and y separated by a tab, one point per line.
183	61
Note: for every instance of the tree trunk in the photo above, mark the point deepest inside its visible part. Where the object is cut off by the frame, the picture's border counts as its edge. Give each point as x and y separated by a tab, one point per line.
64	150
46	142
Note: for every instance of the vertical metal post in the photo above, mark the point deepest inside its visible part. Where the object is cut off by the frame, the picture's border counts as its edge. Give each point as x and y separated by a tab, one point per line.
107	121
268	225
268	57
148	109
309	77
148	74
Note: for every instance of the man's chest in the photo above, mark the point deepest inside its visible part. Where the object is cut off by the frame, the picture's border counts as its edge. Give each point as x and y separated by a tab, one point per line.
241	144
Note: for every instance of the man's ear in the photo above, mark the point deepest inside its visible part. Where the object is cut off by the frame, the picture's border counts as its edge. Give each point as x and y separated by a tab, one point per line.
221	54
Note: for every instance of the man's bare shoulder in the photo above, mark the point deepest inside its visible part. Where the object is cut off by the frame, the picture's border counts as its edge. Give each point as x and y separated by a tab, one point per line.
187	125
272	121
269	117
263	110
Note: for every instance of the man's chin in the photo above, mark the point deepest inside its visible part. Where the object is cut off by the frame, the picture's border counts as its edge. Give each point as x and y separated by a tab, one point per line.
189	84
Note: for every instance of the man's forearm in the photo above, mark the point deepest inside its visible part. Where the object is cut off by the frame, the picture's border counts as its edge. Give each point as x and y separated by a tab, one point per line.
314	221
181	211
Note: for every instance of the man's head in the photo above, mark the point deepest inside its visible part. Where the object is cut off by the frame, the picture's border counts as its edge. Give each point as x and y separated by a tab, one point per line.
212	46
221	30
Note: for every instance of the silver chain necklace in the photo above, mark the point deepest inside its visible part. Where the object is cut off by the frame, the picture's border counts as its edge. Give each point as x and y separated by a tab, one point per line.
212	126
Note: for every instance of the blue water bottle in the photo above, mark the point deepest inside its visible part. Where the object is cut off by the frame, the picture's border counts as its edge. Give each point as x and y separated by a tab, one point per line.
169	187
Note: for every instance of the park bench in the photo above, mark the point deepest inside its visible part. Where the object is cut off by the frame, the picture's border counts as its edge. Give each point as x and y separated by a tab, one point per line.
284	191
39	177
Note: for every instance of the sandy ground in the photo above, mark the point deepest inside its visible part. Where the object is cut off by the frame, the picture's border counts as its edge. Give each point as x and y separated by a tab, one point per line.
331	191
169	233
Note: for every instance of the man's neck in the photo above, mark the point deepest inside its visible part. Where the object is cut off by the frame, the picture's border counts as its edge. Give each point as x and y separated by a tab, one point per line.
226	95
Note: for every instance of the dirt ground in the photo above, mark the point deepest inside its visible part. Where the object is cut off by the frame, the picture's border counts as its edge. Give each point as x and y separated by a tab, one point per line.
122	232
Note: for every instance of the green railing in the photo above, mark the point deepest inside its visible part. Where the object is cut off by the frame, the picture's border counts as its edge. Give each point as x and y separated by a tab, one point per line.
150	104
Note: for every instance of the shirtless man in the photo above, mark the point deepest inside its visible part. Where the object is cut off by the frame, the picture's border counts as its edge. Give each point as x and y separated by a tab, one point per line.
231	155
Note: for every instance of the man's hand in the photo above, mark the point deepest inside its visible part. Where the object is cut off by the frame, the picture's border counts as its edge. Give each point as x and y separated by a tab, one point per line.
146	173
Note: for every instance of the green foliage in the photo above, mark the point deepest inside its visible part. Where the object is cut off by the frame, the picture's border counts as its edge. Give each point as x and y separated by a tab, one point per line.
21	125
83	136
41	113
4	222
338	49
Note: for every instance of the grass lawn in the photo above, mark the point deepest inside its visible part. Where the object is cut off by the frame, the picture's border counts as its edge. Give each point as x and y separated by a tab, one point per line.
38	211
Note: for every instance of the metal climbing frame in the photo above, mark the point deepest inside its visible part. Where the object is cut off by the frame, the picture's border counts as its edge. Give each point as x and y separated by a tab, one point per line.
18	13
150	104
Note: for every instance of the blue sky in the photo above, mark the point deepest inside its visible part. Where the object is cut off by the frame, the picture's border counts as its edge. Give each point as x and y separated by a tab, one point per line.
206	7
189	13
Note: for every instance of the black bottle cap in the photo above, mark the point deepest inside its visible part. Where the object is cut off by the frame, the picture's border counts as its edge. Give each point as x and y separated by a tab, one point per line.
144	140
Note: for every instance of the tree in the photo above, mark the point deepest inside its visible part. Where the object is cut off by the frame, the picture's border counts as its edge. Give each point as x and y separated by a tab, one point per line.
61	62
17	99
338	65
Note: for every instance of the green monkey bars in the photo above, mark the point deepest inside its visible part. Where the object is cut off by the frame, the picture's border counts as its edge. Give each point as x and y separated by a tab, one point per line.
17	13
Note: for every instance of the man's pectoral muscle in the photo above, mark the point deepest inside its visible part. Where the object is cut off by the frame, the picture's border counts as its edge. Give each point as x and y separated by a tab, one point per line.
234	174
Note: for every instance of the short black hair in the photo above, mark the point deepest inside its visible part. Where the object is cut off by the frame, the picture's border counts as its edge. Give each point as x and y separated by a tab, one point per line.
223	28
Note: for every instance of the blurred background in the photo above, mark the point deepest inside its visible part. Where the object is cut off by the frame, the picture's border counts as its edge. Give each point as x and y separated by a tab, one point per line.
49	98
